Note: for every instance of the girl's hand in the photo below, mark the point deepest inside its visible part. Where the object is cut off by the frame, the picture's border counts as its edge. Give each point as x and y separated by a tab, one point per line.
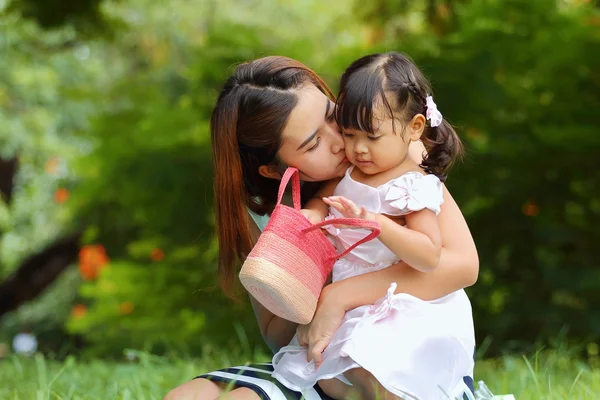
317	335
311	215
348	208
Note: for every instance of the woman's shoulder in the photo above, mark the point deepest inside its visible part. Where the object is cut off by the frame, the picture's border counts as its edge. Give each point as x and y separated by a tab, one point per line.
259	220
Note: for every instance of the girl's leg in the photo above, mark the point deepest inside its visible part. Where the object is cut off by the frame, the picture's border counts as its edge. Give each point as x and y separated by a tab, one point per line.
205	389
368	386
338	390
334	388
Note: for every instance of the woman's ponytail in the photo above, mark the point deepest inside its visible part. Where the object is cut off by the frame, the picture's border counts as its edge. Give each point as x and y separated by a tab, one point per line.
233	230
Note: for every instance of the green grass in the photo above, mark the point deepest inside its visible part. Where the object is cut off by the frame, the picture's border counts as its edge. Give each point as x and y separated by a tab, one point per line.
546	376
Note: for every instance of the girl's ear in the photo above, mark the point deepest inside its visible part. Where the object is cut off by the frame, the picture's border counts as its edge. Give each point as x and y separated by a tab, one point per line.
270	171
416	127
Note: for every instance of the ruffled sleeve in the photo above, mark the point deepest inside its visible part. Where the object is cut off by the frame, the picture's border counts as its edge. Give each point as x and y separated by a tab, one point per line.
413	192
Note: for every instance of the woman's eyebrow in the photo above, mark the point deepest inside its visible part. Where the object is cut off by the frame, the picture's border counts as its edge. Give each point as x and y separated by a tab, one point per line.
308	140
311	137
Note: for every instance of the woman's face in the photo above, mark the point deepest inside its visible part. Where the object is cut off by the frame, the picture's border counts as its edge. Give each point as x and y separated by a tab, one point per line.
311	138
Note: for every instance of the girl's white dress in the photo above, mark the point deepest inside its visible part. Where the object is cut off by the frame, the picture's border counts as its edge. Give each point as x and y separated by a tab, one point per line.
416	349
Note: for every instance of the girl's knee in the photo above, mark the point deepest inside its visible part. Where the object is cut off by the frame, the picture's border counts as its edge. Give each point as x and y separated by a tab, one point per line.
197	389
364	382
334	388
358	375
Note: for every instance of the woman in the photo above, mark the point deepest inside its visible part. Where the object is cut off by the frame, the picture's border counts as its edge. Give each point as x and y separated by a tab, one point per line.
272	113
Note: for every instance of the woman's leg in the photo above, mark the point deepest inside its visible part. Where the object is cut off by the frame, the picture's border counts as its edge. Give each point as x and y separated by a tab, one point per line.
204	389
241	393
197	389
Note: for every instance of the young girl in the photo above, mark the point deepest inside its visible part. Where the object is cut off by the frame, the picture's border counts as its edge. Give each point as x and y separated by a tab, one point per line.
413	348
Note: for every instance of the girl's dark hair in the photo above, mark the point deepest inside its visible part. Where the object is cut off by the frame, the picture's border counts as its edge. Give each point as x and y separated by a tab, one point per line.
392	79
246	132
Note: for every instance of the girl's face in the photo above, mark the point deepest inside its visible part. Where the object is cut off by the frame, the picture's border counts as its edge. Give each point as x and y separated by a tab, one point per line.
311	138
385	148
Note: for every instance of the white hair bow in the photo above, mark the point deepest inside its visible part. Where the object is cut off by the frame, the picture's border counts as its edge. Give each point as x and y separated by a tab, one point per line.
432	114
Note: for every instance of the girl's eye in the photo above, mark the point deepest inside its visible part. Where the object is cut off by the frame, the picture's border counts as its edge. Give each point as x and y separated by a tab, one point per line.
314	146
373	138
348	135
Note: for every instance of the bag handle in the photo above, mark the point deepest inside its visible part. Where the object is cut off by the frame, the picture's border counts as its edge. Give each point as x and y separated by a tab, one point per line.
293	173
361	223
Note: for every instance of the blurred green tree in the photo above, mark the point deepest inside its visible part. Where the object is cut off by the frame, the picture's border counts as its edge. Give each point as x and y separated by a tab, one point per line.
57	13
520	81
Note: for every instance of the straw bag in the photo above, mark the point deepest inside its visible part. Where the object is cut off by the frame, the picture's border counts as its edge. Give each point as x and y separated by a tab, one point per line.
288	266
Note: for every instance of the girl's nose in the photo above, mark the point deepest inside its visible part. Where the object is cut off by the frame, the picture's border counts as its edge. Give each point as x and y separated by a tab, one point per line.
360	148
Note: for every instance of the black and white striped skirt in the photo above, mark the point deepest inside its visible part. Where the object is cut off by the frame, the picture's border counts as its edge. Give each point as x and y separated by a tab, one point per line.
258	377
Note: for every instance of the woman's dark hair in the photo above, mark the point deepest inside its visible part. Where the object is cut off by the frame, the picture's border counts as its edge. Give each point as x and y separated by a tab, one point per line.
393	80
246	132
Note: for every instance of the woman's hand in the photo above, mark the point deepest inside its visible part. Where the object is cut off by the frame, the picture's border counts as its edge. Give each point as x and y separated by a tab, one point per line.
326	321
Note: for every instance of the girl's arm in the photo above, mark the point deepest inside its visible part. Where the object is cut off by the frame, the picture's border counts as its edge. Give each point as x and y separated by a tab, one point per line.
420	252
418	244
315	209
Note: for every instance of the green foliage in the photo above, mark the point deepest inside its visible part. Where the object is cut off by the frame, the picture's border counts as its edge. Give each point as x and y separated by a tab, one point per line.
56	13
145	189
47	93
524	84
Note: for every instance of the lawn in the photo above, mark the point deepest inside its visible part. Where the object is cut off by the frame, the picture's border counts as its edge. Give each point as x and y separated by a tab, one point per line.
546	376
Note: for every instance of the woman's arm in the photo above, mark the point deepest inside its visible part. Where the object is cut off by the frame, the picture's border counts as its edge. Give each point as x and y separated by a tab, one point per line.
276	331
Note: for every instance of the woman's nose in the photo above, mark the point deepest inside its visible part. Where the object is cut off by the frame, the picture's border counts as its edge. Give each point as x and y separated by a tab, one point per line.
337	143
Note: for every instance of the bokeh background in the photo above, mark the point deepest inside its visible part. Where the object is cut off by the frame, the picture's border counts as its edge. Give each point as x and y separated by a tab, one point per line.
106	214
